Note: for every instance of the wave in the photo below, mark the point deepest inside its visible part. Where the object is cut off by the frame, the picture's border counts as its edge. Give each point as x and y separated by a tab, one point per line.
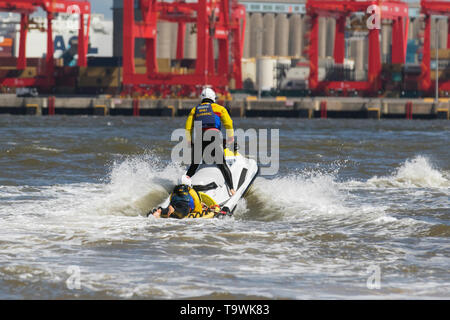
418	172
304	194
32	149
137	184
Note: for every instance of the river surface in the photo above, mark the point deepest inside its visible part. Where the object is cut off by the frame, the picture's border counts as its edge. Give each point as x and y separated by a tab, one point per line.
359	209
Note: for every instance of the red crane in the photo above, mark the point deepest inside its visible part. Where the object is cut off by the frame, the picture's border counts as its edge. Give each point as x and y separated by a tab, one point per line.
26	8
397	11
430	8
216	20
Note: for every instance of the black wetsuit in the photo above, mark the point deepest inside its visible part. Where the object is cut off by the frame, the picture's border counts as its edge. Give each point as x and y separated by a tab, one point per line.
223	167
210	122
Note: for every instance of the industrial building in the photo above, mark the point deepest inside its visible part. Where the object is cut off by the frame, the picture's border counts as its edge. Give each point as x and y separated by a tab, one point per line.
276	47
276	51
284	18
65	30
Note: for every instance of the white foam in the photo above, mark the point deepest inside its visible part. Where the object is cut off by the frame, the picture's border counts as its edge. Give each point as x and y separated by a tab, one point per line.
133	181
416	172
42	148
76	217
302	195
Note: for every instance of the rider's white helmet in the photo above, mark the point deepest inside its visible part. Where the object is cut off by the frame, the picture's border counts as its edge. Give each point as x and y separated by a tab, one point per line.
185	180
208	93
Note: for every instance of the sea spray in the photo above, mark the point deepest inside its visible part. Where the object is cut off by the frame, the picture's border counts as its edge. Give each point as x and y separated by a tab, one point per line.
331	229
298	196
417	172
137	184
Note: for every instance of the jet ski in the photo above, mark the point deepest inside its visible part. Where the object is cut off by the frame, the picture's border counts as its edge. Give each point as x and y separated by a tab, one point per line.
210	185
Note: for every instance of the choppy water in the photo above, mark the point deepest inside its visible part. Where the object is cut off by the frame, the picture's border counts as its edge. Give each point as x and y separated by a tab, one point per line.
354	202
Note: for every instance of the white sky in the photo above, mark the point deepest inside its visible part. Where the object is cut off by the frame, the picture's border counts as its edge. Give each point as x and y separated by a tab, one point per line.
102	6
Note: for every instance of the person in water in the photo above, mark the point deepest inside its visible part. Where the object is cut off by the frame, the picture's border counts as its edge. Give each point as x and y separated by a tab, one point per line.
184	200
212	116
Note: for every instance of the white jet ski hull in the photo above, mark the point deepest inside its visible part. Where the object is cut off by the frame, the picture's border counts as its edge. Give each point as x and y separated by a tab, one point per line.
209	180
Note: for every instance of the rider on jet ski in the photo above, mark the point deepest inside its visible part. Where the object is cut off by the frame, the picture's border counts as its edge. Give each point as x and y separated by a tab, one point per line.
212	116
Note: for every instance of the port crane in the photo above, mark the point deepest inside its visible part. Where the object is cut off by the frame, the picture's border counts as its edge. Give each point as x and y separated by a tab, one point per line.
395	11
218	23
27	7
430	8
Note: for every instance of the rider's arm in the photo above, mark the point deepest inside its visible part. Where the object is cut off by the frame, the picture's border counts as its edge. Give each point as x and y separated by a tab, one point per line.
167	212
190	125
163	212
224	118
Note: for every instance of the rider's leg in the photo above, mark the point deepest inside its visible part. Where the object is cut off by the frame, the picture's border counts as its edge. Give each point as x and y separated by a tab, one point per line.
227	176
194	166
226	172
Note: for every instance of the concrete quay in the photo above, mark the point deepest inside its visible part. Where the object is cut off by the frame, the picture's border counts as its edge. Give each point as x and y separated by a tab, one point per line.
314	107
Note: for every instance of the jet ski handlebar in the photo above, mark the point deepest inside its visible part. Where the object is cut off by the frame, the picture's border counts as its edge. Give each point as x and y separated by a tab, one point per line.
233	147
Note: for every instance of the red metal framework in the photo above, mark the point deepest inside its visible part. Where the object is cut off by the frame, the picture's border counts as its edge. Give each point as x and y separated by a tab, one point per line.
26	8
397	11
430	8
216	20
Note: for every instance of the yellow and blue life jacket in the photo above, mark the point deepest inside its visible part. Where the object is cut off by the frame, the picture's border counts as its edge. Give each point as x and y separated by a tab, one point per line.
181	195
221	114
185	200
205	114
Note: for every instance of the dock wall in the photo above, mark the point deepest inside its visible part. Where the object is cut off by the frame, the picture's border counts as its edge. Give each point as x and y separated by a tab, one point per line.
317	107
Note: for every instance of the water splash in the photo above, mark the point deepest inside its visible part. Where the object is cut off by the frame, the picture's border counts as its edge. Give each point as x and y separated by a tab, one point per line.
137	184
414	173
298	195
